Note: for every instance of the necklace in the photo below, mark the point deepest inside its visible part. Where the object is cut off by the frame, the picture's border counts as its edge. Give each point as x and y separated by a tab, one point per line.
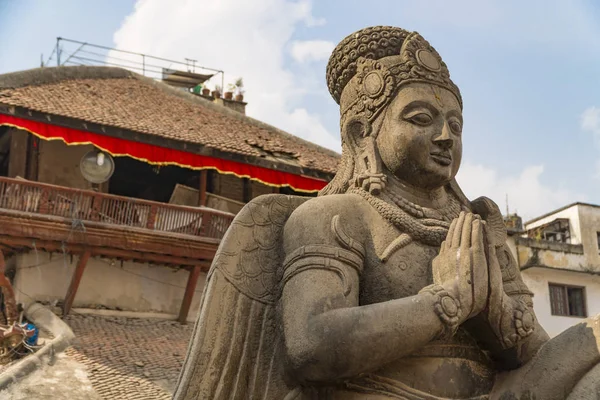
429	231
446	213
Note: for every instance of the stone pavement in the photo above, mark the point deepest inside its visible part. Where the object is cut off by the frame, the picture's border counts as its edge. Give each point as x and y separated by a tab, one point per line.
113	358
128	358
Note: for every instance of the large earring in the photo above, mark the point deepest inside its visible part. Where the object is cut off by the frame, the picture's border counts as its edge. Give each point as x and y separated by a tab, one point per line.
357	133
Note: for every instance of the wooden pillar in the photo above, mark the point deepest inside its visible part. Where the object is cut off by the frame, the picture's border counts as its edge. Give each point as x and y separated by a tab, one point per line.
151	217
202	196
75	280
247	190
33	154
17	158
189	294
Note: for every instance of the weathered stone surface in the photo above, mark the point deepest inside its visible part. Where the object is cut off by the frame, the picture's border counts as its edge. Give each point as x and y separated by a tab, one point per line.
389	285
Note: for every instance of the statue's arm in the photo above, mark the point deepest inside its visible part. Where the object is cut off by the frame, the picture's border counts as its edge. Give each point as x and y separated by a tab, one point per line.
328	335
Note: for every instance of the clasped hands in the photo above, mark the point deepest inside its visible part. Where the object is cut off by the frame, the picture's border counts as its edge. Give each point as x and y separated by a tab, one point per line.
462	267
468	269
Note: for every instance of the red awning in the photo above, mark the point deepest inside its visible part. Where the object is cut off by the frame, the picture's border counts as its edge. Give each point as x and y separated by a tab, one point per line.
158	155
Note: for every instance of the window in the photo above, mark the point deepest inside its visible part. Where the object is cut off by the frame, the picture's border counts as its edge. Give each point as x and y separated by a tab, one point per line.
567	300
598	239
555	231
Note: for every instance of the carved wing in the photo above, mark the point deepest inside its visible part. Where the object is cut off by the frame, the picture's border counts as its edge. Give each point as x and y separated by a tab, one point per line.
234	352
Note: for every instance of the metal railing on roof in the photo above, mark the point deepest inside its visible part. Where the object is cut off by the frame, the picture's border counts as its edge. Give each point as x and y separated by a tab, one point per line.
74	52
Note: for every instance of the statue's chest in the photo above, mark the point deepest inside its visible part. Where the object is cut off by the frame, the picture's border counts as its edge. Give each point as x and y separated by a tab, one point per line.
401	272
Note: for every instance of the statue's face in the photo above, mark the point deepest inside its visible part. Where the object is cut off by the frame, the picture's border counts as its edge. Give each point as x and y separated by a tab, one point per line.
420	138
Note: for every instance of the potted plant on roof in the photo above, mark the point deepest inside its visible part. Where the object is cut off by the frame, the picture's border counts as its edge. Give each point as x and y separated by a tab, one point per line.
239	90
205	90
228	95
217	92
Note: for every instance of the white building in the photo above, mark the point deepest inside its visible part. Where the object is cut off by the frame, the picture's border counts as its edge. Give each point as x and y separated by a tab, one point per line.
559	257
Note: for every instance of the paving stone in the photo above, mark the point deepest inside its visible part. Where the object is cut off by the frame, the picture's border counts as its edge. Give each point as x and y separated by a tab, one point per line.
125	356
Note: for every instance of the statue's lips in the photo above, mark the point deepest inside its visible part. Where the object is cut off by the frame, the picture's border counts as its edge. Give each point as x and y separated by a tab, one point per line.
442	158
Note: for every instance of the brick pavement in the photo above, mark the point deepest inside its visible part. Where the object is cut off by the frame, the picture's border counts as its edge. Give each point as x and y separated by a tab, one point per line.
129	358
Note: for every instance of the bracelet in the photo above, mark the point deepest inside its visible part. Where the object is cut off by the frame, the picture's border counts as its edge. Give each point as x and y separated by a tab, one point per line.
524	324
446	307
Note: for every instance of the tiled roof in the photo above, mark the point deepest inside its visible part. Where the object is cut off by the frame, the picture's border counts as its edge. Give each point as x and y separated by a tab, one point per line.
122	99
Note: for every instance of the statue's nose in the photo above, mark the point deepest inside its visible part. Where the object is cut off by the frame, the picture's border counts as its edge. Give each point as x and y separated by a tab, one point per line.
444	139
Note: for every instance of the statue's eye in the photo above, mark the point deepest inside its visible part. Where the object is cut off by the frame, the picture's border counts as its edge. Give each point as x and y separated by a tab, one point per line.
456	127
421	119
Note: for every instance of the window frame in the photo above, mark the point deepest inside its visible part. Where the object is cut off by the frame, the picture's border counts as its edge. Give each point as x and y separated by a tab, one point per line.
565	287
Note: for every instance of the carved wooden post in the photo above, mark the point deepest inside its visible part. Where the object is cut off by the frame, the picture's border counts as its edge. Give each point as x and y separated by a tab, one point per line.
151	217
202	196
207	223
96	207
75	280
44	206
189	294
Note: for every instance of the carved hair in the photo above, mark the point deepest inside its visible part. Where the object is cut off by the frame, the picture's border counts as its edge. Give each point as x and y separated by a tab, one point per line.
364	74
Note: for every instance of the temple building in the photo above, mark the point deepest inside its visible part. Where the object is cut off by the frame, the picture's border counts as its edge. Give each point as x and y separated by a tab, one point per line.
177	167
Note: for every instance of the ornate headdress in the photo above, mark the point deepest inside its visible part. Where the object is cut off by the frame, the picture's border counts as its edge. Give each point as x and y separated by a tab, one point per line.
377	61
364	73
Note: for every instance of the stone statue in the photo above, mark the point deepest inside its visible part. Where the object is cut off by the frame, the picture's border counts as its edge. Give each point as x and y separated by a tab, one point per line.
389	285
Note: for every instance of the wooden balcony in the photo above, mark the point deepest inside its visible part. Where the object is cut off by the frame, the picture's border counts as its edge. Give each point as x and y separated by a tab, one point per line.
78	206
40	217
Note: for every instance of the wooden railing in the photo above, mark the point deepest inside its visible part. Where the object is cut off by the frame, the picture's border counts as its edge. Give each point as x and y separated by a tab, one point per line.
86	205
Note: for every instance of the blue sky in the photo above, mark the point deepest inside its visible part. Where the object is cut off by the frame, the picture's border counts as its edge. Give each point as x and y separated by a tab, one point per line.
529	72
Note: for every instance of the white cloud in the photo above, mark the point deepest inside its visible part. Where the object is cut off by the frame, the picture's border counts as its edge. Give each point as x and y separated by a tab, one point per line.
527	195
590	120
243	38
311	50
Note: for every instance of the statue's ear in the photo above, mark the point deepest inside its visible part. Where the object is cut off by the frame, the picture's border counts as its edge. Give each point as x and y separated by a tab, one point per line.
355	131
357	134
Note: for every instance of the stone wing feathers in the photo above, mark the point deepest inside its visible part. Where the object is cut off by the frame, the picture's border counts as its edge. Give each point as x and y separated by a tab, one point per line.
235	348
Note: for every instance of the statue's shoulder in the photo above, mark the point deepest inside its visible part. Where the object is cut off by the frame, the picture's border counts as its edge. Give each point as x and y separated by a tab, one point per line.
320	220
320	210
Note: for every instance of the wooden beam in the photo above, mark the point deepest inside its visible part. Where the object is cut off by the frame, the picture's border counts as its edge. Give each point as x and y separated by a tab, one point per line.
56	246
100	235
189	294
75	280
8	249
202	196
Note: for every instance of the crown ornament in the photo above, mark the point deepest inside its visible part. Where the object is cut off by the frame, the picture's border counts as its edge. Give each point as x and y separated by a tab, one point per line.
366	70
